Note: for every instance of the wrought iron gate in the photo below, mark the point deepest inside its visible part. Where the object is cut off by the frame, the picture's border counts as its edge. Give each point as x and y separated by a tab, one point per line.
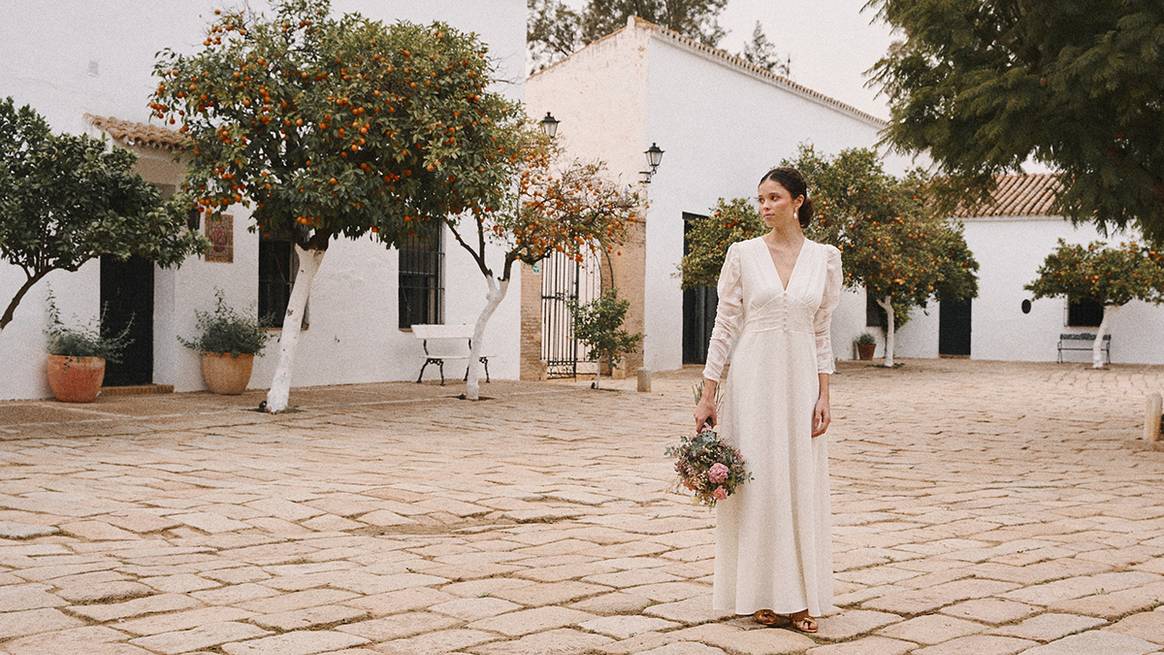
563	280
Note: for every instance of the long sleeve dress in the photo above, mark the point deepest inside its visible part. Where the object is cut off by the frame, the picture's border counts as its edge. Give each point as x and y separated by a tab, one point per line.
773	545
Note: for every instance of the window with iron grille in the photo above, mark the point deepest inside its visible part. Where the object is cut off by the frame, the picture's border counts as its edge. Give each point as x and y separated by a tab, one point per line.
421	281
1084	313
278	265
875	315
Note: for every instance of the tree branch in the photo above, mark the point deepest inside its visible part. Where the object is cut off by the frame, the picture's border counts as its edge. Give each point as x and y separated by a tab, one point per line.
28	284
480	259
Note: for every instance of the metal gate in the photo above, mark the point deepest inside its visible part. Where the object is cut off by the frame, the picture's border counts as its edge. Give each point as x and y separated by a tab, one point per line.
563	280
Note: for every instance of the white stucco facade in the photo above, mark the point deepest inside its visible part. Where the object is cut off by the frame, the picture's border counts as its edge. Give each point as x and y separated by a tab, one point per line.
721	125
74	57
1009	250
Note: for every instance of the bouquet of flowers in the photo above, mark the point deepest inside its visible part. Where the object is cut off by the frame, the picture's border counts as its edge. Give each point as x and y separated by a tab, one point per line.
709	467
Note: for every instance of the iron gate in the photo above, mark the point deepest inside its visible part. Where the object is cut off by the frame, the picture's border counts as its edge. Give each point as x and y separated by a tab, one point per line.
563	280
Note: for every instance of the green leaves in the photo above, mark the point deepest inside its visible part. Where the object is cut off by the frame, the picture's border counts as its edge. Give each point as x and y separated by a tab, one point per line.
893	235
331	125
66	199
1106	275
708	238
227	330
983	86
554	30
598	324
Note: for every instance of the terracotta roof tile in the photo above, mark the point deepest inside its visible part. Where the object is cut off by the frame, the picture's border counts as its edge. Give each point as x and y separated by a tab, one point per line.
1018	195
138	134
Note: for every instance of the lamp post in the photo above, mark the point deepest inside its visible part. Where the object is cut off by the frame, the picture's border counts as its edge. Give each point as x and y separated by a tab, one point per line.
549	125
654	158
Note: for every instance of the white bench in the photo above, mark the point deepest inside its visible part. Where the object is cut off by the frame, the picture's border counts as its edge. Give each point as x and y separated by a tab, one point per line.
442	343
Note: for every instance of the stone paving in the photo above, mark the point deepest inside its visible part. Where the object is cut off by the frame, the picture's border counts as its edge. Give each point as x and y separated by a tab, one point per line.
980	508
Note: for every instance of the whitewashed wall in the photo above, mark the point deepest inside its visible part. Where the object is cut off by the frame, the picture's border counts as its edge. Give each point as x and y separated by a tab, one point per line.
1009	251
722	129
72	57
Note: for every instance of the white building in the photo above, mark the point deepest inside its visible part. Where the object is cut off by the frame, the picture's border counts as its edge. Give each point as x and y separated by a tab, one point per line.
74	58
722	123
1010	237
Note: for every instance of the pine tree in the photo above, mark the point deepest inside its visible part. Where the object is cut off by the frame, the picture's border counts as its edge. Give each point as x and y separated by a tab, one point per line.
762	52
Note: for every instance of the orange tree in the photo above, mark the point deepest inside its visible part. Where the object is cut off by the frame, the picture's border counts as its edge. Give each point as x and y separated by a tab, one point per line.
895	238
66	199
336	126
1112	277
555	206
895	242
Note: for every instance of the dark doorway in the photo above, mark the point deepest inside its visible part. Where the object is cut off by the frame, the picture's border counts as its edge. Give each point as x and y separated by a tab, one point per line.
954	328
127	299
698	309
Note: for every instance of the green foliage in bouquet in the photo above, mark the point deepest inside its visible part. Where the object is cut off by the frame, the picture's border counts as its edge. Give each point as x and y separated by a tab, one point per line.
84	341
708	467
226	330
865	339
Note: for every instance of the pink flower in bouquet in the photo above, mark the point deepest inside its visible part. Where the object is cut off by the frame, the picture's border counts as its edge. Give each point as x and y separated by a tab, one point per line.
717	473
720	493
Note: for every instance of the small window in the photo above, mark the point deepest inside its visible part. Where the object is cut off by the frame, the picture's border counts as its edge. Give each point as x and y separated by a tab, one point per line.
278	265
420	287
1084	313
875	316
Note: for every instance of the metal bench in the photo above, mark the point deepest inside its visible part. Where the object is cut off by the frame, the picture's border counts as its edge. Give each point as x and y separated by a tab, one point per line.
446	342
1068	341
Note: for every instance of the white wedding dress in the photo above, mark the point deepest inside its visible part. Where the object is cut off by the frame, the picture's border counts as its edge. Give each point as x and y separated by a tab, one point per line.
773	546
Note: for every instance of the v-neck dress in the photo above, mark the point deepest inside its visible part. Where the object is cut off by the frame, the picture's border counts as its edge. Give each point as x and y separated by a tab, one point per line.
773	546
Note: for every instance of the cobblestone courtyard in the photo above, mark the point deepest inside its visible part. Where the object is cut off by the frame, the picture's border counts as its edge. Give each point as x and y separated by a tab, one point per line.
980	508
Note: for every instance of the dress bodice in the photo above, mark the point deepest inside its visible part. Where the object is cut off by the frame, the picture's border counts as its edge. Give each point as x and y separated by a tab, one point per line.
752	298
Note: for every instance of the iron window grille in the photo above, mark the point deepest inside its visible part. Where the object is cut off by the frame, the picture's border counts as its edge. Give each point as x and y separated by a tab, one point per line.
875	315
420	287
1084	313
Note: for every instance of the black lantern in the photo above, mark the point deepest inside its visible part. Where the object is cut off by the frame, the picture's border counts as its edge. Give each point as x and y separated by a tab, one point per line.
549	125
654	156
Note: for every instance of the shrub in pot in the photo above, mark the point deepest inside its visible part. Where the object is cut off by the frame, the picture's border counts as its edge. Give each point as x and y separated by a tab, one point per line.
77	356
228	341
866	346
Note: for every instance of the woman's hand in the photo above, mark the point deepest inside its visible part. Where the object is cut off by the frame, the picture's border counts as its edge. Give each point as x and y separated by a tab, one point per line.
821	417
705	415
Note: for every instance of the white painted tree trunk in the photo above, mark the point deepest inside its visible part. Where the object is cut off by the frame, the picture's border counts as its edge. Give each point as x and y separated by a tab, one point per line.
886	303
1097	347
309	261
493	298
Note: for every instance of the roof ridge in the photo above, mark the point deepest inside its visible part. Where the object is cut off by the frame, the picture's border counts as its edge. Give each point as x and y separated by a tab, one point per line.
739	63
760	71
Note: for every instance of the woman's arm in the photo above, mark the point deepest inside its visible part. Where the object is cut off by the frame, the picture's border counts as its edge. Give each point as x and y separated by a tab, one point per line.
822	413
728	315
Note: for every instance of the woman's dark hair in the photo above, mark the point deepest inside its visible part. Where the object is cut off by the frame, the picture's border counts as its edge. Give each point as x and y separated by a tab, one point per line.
794	183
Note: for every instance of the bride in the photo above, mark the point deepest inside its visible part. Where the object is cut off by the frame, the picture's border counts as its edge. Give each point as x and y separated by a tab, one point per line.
777	293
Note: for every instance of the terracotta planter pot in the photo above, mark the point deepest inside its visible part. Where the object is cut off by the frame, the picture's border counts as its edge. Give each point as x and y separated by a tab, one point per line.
225	373
865	350
75	379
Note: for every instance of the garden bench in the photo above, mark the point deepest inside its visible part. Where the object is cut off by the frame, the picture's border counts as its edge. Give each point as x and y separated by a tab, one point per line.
1069	342
442	343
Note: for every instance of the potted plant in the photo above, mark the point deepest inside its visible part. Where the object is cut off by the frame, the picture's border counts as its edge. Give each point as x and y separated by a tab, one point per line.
866	346
598	325
228	342
77	356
